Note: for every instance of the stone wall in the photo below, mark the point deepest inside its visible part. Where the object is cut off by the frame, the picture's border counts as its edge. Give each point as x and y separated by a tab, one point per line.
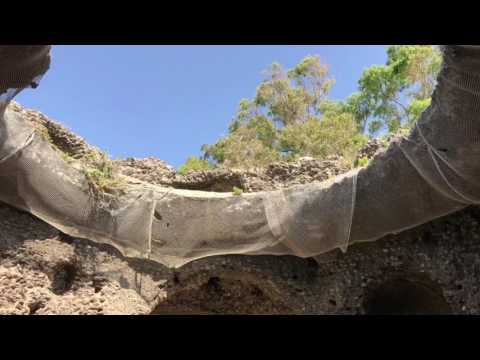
433	268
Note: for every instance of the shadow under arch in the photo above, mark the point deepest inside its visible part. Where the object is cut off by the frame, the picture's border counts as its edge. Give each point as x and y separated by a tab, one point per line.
407	295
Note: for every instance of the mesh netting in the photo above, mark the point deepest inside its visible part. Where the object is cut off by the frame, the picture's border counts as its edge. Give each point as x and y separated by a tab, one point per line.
432	172
21	64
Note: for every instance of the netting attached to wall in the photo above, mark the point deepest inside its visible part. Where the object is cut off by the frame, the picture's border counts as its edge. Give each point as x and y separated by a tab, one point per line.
432	172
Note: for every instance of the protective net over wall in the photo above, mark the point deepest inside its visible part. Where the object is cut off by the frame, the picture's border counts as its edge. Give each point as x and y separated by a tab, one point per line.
433	172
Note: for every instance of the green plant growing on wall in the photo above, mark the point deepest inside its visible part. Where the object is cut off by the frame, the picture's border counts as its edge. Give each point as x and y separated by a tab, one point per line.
237	191
194	163
362	162
102	174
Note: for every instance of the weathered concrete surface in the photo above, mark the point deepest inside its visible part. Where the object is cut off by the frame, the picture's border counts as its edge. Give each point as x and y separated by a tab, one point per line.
44	272
439	260
432	269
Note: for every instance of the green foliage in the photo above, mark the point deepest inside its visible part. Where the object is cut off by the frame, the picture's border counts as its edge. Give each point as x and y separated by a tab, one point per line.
395	94
67	158
318	139
237	191
293	96
101	173
362	162
417	65
291	116
288	117
194	163
242	149
415	109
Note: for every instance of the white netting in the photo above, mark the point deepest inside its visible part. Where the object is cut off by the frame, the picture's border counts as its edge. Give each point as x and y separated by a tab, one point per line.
433	172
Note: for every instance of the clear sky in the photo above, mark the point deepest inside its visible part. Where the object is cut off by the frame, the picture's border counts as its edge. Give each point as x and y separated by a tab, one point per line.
166	101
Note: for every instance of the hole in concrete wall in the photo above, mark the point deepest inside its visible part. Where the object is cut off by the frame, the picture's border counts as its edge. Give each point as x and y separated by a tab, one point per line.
34	307
407	296
63	278
176	279
157	215
98	283
213	285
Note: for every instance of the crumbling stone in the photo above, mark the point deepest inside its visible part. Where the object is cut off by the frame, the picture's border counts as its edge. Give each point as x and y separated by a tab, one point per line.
433	268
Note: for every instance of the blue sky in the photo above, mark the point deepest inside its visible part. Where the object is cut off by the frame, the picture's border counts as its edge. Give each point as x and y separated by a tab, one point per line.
166	101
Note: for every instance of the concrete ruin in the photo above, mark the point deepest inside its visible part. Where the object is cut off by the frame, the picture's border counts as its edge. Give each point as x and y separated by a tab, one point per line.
431	268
